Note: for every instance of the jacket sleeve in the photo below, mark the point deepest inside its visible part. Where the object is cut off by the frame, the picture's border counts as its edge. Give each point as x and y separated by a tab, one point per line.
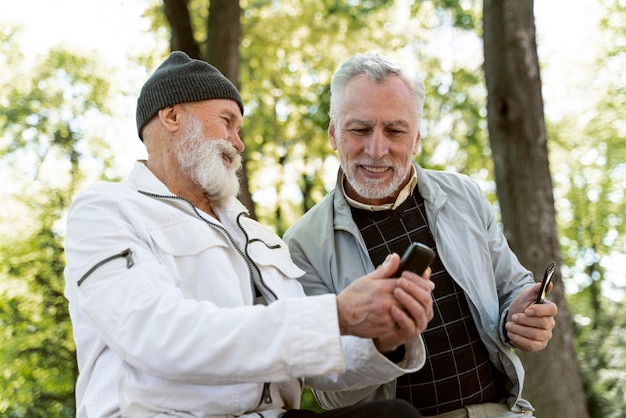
511	277
369	375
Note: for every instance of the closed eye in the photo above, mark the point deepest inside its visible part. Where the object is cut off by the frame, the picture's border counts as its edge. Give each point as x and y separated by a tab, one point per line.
359	131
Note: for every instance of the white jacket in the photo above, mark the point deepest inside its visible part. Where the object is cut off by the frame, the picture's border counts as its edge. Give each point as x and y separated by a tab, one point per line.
161	302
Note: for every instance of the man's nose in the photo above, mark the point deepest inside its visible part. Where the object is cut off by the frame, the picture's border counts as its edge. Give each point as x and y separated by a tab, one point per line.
377	146
235	139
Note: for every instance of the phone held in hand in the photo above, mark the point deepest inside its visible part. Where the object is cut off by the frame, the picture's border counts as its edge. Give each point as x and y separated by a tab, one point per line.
547	278
416	259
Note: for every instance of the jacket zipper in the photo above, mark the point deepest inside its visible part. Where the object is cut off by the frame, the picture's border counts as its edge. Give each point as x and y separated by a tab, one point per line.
127	253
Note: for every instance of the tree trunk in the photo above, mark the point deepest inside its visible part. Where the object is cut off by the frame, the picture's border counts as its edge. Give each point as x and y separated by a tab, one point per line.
181	38
524	187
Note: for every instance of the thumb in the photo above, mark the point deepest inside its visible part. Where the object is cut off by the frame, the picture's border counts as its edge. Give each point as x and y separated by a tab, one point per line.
387	268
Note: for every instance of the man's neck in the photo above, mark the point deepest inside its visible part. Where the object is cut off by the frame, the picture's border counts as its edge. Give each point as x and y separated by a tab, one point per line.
182	186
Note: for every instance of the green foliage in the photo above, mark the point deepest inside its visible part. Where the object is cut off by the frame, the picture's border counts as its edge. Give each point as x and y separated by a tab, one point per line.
37	350
46	112
464	14
309	402
601	354
588	154
45	116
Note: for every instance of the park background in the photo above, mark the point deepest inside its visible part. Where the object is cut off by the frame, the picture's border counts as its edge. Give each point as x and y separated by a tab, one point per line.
71	73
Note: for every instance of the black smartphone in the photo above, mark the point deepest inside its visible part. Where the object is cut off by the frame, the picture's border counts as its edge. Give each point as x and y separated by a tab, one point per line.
547	278
416	259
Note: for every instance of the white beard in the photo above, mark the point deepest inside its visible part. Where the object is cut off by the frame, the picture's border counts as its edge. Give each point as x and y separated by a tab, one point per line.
203	158
374	189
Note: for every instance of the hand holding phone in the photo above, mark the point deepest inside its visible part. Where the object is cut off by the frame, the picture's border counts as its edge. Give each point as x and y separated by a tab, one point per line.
547	278
416	259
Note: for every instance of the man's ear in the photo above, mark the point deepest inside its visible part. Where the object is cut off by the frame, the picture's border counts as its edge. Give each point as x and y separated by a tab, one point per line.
331	135
170	118
416	146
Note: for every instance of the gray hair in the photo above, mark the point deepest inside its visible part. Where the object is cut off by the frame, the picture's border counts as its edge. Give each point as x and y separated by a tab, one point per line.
377	67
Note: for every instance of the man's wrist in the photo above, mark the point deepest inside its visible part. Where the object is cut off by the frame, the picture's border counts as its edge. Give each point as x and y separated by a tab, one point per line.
397	355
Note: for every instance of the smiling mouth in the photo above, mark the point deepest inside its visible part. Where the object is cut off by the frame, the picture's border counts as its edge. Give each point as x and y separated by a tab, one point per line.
227	160
374	169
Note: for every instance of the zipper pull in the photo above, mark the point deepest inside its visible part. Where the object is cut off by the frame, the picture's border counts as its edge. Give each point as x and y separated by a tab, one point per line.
128	253
267	396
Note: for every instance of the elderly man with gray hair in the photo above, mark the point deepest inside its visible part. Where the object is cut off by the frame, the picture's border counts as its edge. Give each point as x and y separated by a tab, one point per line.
484	299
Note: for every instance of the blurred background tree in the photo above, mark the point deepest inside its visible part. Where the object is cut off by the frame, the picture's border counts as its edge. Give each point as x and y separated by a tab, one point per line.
44	114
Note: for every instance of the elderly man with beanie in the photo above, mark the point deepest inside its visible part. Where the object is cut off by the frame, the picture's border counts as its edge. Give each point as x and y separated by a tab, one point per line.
183	306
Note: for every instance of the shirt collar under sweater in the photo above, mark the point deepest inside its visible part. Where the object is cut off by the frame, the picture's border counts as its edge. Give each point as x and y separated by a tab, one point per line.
402	196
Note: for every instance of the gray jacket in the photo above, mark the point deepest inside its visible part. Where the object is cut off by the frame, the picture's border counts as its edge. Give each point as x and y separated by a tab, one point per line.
327	245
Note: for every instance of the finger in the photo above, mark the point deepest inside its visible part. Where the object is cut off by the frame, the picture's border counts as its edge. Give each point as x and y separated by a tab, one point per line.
540	332
387	268
419	310
546	308
416	278
420	290
540	322
407	328
404	323
408	279
528	339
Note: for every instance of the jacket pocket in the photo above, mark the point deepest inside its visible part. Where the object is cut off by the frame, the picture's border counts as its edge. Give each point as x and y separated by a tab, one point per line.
187	238
274	254
203	262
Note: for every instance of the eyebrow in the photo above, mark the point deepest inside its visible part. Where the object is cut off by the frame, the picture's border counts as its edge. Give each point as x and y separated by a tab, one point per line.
366	122
353	122
397	122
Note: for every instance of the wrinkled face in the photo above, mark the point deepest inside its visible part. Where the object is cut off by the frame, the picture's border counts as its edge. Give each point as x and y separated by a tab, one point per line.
212	163
376	136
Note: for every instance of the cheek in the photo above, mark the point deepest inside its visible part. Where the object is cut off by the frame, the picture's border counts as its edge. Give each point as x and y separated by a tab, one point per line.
350	147
409	147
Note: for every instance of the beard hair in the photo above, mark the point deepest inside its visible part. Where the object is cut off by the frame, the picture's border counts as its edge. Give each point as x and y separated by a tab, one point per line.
374	189
203	159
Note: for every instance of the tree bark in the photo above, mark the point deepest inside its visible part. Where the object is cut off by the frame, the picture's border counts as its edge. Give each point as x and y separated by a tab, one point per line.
524	188
181	38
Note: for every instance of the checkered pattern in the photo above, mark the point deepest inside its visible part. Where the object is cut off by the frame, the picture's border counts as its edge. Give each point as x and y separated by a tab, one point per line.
457	370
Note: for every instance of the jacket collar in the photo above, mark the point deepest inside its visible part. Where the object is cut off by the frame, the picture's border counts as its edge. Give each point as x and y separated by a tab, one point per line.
142	179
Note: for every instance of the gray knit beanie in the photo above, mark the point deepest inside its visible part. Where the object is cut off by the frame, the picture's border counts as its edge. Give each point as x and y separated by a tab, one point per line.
181	79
